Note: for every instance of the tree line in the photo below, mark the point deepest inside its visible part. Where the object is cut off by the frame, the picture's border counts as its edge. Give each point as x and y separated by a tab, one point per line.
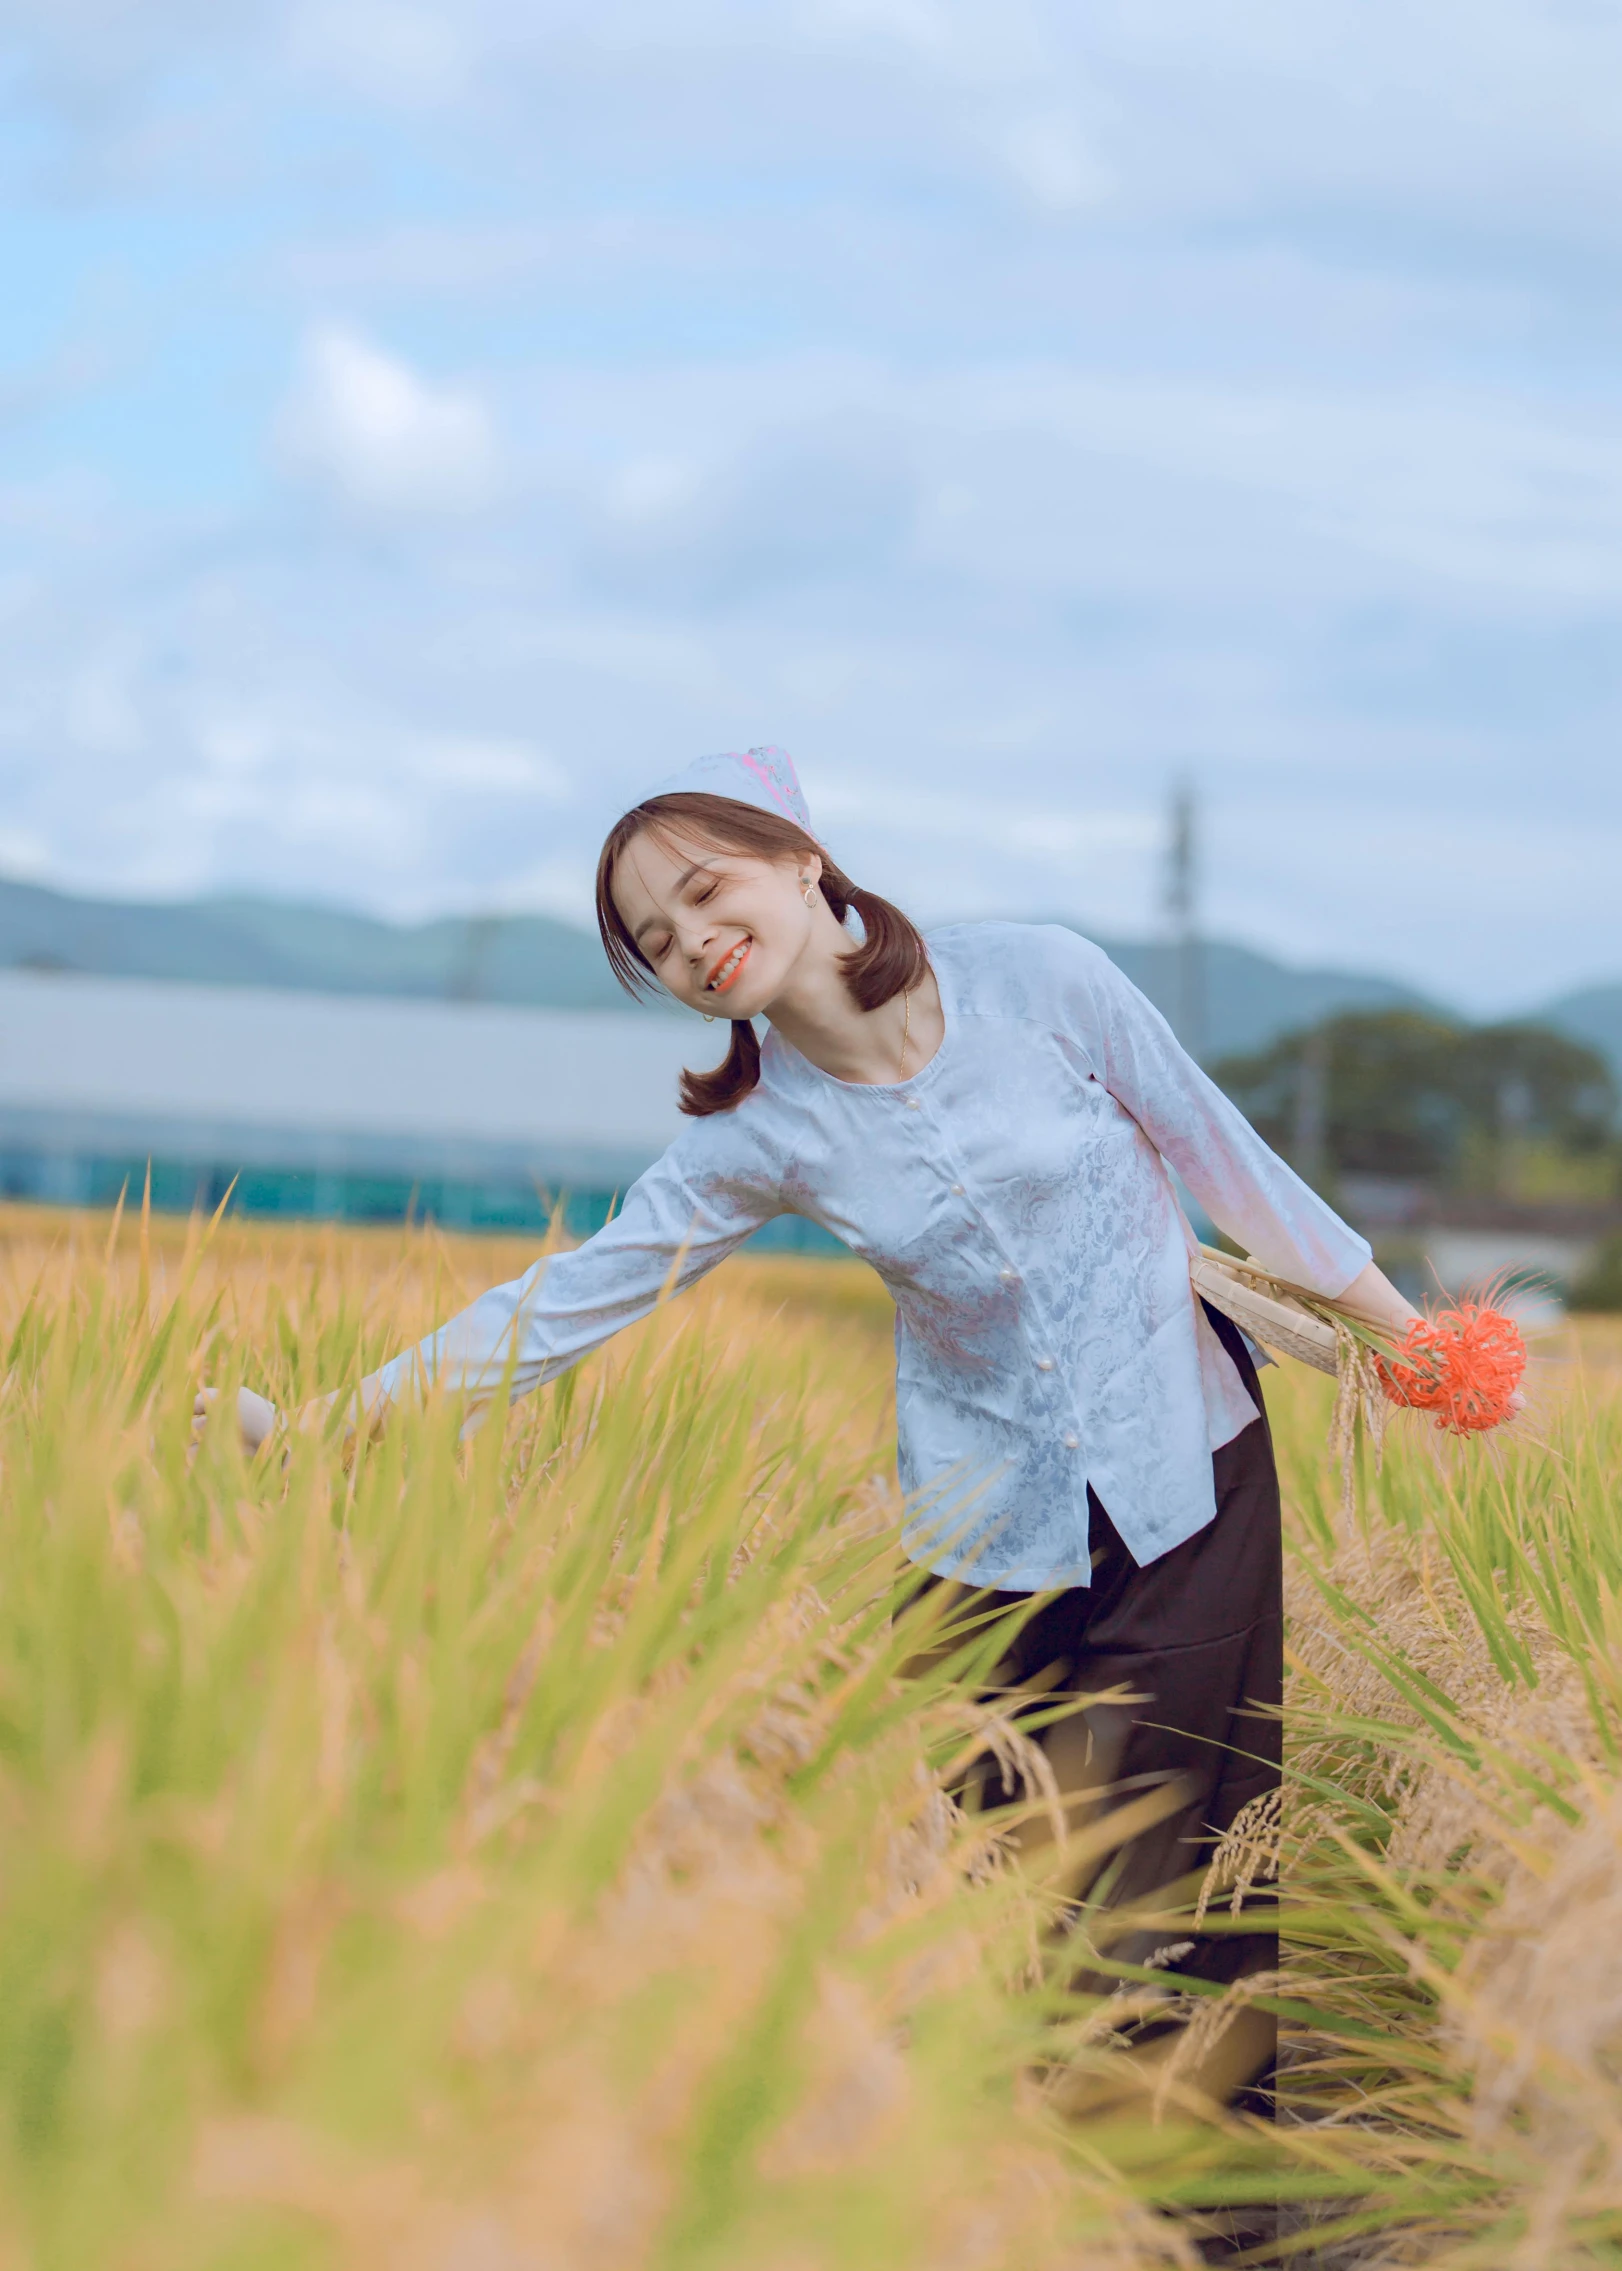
1515	1110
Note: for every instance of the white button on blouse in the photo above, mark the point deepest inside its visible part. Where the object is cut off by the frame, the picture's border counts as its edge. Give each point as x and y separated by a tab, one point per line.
1066	1094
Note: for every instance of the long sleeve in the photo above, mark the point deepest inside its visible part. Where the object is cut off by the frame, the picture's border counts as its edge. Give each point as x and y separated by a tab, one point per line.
678	1221
1245	1187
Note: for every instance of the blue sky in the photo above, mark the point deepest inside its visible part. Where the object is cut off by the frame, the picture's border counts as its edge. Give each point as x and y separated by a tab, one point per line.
423	424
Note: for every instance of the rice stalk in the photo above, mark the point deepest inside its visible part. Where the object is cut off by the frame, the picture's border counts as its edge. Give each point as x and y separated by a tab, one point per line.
526	1851
512	1851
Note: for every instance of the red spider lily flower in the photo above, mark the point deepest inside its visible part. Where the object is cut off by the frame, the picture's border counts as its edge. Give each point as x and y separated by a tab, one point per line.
1465	1365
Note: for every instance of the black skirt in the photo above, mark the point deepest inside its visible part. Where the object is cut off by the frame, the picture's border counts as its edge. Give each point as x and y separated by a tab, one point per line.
1198	1635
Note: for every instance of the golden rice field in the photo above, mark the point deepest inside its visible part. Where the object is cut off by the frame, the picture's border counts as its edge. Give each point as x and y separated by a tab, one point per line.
525	1855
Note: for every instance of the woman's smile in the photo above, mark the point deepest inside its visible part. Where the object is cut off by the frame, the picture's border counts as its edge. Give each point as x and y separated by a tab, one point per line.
726	970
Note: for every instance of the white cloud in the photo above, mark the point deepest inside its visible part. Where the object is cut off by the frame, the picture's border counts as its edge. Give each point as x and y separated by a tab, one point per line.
364	424
1046	835
789	505
648	489
1003	404
103	711
96	57
975	43
1052	161
234	743
390	50
486	765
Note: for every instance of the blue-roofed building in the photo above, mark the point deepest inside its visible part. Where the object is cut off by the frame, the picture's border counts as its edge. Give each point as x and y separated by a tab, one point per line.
341	1106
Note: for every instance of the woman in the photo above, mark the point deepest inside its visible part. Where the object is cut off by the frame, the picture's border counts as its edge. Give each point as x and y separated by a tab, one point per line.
988	1120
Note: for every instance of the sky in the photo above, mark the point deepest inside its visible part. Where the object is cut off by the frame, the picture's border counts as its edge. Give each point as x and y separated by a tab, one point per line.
425	423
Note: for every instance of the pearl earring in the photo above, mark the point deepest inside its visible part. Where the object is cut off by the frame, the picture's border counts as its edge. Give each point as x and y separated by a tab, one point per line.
809	894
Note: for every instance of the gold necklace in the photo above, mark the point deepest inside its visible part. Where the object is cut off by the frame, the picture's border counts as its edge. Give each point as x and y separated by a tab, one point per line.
906	1029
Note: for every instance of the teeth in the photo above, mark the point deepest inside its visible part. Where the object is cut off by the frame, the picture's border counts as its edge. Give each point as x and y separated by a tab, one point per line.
728	966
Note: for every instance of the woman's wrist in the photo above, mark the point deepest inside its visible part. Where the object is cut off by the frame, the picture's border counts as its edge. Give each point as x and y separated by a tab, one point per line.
363	1412
1372	1297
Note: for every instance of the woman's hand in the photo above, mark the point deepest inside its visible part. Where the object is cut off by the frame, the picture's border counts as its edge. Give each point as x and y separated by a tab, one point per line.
257	1417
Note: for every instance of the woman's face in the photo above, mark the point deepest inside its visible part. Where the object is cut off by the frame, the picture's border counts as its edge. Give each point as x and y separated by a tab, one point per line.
722	931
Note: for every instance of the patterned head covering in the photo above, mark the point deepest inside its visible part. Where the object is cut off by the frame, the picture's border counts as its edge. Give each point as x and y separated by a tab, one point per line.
763	777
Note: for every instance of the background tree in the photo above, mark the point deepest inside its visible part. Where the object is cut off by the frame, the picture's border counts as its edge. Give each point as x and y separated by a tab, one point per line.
1413	1097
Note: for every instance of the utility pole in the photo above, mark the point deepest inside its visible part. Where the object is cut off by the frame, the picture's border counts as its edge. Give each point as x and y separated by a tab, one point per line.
1309	1148
1182	921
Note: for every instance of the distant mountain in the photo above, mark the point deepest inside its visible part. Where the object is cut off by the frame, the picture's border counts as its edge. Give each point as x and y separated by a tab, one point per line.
263	942
1594	1015
1249	999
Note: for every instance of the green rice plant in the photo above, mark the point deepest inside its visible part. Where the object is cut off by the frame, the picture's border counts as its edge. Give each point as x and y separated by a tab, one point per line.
1453	1851
533	1847
512	1849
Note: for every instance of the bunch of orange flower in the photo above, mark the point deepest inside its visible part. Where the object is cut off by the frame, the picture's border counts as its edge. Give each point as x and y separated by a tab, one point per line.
1465	1365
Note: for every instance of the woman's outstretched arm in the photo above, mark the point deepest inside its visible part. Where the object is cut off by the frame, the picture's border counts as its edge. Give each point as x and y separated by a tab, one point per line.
686	1214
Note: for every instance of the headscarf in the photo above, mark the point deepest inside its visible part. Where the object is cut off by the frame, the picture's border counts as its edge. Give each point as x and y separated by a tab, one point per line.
764	777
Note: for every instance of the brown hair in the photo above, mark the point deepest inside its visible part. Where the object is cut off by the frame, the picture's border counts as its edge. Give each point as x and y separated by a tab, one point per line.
890	960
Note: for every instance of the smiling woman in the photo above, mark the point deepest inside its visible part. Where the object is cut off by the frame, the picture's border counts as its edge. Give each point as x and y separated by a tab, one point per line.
717	901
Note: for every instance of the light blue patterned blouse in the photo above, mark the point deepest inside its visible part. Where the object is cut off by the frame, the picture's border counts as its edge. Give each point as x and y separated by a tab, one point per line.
1013	1196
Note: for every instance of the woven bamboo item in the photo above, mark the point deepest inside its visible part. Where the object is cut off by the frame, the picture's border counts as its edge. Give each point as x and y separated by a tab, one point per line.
1270	1316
